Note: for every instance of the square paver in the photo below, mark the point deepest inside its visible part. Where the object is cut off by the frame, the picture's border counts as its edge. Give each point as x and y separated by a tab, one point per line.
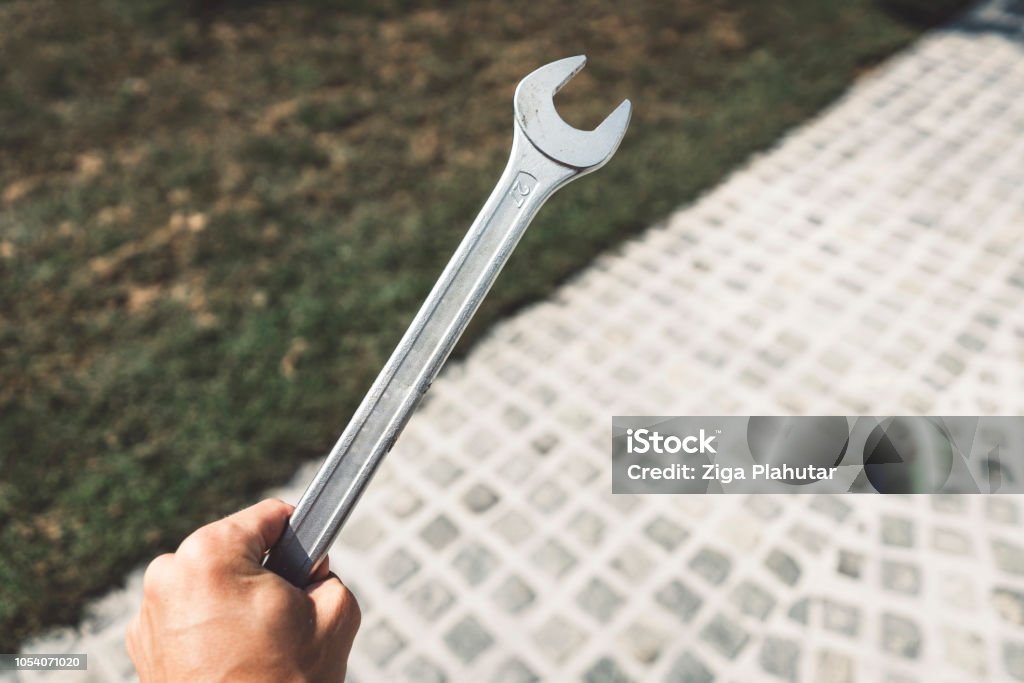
725	636
680	600
439	532
480	498
397	567
475	563
381	642
553	558
599	600
558	638
430	599
514	594
468	639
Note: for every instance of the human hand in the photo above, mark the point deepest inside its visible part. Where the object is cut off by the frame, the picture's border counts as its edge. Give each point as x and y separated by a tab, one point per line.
210	612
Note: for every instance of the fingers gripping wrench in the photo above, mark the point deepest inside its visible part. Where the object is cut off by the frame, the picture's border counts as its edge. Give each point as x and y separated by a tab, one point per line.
547	154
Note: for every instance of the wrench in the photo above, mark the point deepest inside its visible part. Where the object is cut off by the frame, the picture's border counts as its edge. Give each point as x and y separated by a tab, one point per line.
547	154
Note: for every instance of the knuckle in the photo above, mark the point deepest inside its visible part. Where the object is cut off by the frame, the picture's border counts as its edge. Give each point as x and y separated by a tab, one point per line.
276	605
348	613
157	575
190	550
229	529
202	545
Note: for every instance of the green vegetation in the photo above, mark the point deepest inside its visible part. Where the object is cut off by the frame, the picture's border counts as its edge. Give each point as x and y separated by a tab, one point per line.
216	220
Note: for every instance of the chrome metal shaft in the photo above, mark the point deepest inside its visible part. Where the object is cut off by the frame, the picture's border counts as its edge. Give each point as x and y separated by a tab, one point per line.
530	177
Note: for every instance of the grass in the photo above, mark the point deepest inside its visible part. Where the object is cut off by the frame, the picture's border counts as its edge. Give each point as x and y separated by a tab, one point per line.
217	219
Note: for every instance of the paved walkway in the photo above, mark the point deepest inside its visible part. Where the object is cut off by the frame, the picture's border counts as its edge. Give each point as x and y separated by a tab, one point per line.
871	263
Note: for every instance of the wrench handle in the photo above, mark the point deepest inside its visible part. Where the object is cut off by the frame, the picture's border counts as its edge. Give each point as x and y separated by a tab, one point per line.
528	180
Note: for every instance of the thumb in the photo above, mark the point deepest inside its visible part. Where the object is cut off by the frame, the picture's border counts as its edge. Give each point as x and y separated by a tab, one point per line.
337	613
258	527
246	534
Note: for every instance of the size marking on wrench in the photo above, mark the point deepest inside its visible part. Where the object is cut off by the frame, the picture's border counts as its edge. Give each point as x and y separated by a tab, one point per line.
547	153
522	186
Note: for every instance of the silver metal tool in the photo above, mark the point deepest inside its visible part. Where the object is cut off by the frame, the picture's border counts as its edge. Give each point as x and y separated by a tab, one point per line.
547	153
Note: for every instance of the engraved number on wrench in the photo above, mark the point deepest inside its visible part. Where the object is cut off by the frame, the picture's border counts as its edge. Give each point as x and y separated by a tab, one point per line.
521	187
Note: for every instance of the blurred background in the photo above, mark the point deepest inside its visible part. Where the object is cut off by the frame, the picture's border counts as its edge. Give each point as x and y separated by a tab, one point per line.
217	218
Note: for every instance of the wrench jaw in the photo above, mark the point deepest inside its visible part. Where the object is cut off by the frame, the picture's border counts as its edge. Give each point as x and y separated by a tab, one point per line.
536	116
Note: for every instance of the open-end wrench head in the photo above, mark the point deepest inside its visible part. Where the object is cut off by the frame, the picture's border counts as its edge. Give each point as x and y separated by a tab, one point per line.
536	115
